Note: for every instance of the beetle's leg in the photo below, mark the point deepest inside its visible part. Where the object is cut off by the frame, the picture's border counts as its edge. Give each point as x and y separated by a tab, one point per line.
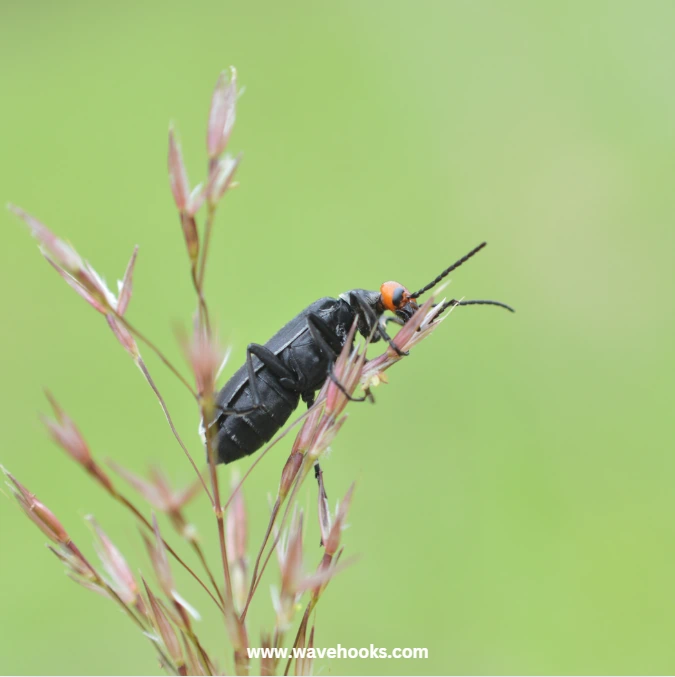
227	411
318	474
329	342
384	320
351	398
309	397
323	336
383	333
373	321
274	364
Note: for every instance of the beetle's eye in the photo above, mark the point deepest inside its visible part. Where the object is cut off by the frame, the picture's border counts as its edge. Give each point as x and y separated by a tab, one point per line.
397	296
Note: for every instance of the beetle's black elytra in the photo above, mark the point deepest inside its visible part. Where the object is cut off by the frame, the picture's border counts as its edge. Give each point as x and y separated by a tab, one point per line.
261	396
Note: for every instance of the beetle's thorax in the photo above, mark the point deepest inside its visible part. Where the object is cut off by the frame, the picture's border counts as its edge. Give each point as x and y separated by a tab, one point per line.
366	306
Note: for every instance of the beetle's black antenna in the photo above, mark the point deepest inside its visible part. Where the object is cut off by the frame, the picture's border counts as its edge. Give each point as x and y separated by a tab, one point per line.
454	266
454	302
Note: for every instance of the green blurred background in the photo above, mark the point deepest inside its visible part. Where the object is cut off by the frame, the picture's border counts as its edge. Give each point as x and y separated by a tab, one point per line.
514	502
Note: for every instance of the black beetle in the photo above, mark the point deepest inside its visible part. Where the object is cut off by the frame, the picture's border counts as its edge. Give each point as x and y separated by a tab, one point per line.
260	397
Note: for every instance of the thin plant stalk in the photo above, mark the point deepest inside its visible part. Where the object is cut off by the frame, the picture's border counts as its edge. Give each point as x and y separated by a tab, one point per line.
144	339
165	409
208	228
146	523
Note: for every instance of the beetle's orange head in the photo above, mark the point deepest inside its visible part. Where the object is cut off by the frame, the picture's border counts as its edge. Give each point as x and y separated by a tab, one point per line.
395	296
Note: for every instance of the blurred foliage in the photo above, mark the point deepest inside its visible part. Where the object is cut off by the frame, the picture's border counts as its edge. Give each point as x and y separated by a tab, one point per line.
514	502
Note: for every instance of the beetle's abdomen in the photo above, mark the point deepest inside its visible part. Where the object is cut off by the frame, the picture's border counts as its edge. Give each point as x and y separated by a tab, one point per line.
239	436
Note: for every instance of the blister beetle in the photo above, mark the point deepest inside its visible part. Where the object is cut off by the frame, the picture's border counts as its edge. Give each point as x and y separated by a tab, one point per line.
293	365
